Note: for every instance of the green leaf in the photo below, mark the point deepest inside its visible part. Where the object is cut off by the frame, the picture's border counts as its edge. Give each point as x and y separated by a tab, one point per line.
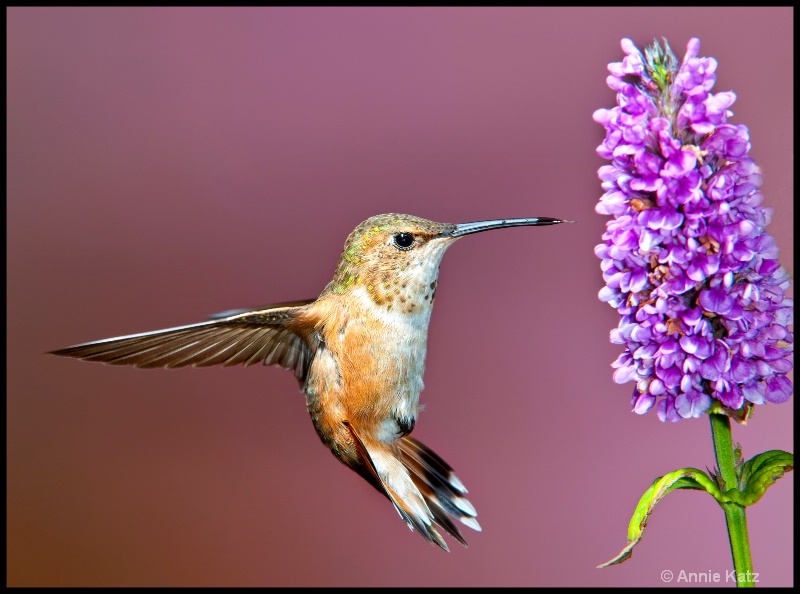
685	478
759	473
755	477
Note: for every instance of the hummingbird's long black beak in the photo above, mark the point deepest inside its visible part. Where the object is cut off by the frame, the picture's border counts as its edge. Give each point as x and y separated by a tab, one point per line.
477	227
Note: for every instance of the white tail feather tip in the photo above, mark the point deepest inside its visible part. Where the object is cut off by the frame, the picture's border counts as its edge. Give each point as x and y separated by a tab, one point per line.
472	523
465	506
455	482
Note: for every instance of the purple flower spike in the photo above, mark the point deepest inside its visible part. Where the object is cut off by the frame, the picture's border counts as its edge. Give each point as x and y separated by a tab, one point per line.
686	258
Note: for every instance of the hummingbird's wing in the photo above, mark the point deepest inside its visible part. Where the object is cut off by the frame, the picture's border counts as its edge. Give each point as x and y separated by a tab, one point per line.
233	312
272	335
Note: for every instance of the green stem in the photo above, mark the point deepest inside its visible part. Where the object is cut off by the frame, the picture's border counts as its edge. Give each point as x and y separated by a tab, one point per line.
734	514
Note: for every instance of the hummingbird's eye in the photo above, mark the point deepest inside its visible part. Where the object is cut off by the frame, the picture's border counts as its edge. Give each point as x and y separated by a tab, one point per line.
403	240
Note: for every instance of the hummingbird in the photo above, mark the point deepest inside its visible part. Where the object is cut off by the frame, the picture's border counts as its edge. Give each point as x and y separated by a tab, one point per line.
358	353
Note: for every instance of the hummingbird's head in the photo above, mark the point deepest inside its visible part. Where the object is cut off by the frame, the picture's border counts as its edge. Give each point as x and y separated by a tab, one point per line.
395	257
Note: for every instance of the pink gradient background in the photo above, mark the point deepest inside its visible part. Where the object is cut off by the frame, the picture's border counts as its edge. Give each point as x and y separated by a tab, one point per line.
166	164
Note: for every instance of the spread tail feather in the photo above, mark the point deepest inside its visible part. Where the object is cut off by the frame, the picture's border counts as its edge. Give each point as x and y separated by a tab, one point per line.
442	489
422	487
